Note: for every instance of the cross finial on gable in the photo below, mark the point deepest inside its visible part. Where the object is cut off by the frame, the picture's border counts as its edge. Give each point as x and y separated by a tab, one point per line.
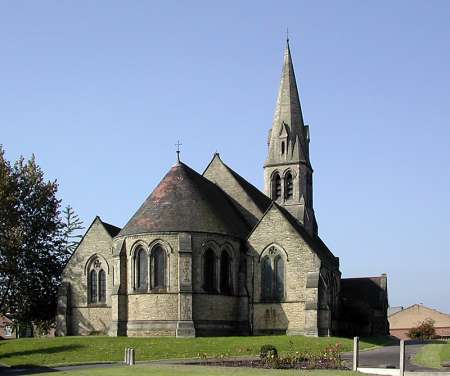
178	144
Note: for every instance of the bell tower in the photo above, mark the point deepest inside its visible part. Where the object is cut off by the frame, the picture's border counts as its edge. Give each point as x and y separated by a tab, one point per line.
287	170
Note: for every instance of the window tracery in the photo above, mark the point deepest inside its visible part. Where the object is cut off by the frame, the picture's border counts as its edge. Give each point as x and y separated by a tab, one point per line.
273	276
96	282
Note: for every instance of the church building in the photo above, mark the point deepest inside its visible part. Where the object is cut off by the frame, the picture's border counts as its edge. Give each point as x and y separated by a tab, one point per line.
210	254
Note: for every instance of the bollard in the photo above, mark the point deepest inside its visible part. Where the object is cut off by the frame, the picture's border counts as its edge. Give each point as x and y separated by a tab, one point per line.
355	353
125	360
132	360
402	357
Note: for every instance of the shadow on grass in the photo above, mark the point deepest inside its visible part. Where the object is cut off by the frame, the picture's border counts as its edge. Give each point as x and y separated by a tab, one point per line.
41	351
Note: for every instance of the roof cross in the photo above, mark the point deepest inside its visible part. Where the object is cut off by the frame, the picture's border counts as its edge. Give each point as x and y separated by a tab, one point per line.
178	144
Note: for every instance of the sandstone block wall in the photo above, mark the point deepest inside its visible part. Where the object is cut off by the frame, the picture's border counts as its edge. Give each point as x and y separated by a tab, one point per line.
79	316
297	314
218	173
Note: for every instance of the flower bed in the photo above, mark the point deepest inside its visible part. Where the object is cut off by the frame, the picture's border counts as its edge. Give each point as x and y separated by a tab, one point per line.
330	358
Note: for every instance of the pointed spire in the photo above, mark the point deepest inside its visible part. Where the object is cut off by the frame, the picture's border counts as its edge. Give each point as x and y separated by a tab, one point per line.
288	109
288	116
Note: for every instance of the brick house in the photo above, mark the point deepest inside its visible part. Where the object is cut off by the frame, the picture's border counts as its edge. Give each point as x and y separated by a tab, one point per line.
210	254
403	320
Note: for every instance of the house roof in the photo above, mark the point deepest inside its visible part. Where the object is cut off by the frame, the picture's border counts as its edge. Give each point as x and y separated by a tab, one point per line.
185	201
419	306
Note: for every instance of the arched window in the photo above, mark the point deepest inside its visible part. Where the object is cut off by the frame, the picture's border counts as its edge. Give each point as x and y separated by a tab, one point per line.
225	273
289	186
276	187
282	147
102	286
93	286
209	271
159	267
272	276
141	269
279	278
266	278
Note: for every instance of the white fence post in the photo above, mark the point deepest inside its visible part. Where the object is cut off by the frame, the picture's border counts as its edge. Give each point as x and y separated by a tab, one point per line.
355	353
402	357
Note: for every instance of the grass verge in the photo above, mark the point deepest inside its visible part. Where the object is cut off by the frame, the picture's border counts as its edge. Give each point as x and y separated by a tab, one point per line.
78	350
195	371
433	355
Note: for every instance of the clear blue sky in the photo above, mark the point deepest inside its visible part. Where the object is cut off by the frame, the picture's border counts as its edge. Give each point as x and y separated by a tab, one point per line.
100	91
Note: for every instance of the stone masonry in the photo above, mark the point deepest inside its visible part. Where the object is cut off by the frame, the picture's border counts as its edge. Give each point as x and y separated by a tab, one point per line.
210	254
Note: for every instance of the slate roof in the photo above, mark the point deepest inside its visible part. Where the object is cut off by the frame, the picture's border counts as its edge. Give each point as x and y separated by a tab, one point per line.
186	201
111	229
367	289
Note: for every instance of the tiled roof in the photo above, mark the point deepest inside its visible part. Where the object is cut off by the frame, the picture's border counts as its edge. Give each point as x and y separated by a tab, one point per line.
185	201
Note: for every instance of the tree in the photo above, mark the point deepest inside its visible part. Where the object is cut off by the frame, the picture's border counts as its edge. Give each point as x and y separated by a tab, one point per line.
32	242
72	227
424	330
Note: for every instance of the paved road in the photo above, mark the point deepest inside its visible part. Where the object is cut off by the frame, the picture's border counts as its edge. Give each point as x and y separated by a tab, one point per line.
389	357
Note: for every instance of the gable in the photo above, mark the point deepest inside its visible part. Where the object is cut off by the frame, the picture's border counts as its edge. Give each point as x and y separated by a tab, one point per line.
273	228
278	223
248	199
97	238
96	243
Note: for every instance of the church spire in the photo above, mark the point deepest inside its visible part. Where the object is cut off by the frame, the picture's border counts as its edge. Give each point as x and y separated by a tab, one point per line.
288	171
288	119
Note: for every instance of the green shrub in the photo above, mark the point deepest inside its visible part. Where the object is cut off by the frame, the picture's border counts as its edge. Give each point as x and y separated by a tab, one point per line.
268	351
425	330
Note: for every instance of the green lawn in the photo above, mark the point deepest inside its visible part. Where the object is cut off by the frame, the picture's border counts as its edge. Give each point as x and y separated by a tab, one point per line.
195	371
433	355
76	350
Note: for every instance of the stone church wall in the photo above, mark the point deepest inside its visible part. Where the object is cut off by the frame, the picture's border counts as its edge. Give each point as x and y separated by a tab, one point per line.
150	313
297	313
217	314
85	320
168	241
152	307
278	318
78	316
